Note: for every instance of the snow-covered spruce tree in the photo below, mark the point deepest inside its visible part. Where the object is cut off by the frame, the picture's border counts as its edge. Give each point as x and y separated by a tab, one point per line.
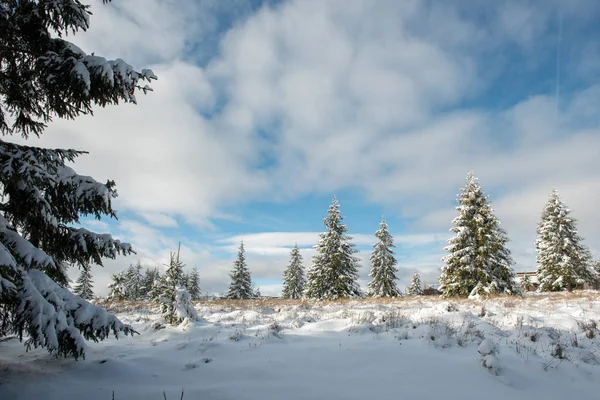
383	265
597	273
183	305
256	294
117	290
150	280
184	280
84	285
170	286
193	284
479	261
334	271
416	287
526	282
43	76
563	262
241	280
134	281
293	276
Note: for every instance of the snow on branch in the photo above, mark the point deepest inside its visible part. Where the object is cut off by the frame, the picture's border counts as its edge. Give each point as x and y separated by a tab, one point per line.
33	162
85	247
21	250
62	15
58	320
38	180
97	78
87	195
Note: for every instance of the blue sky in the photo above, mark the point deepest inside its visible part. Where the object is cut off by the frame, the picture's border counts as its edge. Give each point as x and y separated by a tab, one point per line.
264	110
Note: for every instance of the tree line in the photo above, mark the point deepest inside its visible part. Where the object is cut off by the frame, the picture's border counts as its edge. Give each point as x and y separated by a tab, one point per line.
478	260
173	291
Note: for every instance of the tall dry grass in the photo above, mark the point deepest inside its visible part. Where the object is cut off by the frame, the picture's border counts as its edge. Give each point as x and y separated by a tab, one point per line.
251	304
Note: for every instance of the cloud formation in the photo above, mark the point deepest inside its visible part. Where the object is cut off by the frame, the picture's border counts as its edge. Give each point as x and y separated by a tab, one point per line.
395	100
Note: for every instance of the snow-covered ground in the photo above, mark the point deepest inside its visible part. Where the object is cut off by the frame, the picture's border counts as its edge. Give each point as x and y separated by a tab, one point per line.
545	347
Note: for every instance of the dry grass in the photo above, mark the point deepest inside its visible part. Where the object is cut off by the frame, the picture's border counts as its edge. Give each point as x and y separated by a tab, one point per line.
252	304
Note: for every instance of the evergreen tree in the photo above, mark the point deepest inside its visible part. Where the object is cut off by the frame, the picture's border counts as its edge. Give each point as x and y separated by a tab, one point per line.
117	290
84	286
563	262
293	276
416	287
134	281
256	291
193	284
157	287
185	280
43	76
171	284
479	262
526	282
383	265
334	271
241	280
597	274
183	305
150	280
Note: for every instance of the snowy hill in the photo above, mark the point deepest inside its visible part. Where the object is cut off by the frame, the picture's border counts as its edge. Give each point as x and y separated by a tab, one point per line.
544	347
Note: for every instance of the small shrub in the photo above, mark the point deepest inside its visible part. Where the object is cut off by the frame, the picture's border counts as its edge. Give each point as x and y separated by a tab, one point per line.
534	336
574	340
558	352
482	312
237	335
403	335
157	325
393	319
275	329
509	304
589	328
519	322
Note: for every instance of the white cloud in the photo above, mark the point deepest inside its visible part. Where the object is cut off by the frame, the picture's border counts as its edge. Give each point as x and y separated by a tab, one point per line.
362	95
160	220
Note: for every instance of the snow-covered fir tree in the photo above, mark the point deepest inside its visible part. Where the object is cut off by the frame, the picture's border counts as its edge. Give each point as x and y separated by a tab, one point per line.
334	270
383	265
117	290
526	282
42	198
183	305
150	280
293	276
84	285
563	261
256	294
134	281
170	285
416	287
241	280
597	273
156	290
185	280
193	284
479	262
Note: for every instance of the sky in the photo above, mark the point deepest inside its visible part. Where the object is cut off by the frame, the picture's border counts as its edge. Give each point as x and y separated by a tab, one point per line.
264	110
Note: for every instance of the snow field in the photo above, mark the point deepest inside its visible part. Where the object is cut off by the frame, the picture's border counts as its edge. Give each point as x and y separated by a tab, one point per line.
541	347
